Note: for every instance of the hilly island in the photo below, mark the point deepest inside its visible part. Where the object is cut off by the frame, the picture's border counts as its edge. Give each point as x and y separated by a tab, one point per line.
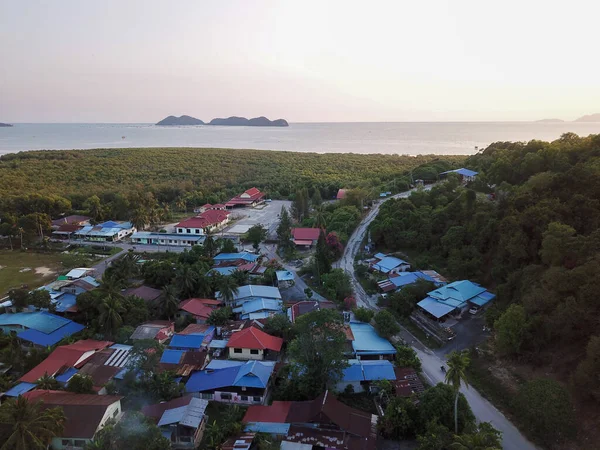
230	121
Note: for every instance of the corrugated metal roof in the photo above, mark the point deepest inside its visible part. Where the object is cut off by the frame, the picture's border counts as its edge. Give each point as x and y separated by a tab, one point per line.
67	375
45	340
378	370
368	342
435	308
63	302
483	298
39	320
20	389
218	343
170	356
256	291
249	374
388	263
223	363
246	256
284	275
190	415
353	372
259	305
120	356
192	341
253	374
268	427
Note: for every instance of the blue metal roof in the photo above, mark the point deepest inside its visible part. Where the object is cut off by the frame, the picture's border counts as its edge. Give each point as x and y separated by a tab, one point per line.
435	308
388	263
246	256
406	278
223	270
218	343
457	293
268	427
45	340
20	389
368	342
483	298
249	374
378	370
64	302
284	275
223	363
39	320
462	171
171	356
260	305
380	255
193	341
255	291
65	377
253	374
353	372
91	280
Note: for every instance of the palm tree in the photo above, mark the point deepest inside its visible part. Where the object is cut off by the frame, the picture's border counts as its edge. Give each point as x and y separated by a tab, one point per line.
228	288
25	426
110	314
170	300
457	374
210	246
139	218
320	221
186	280
241	277
47	382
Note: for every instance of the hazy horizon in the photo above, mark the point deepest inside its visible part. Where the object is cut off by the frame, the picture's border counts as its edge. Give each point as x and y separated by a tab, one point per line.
307	62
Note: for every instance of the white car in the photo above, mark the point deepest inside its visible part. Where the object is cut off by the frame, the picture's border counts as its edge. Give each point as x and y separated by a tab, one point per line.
474	310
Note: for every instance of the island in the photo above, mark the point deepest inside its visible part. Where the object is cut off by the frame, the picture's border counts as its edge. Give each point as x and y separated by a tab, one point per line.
255	122
589	118
5	125
182	120
550	121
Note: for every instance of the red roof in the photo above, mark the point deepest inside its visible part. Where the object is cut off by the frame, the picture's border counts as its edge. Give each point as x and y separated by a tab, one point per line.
64	356
341	194
248	197
197	306
306	234
69	228
208	205
276	413
218	205
205	219
70	220
253	338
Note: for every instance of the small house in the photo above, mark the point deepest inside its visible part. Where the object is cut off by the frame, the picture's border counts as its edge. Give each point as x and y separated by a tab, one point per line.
157	330
198	308
252	343
305	237
455	298
251	197
388	264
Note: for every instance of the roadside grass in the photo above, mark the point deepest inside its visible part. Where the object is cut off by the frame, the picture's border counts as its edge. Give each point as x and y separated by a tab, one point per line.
12	262
96	250
417	332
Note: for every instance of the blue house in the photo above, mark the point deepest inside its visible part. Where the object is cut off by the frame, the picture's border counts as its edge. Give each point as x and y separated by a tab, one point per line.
233	381
465	174
388	264
246	256
259	309
455	298
360	373
367	344
253	292
40	327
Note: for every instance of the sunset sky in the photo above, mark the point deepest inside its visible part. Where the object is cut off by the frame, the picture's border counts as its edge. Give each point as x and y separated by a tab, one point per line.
306	61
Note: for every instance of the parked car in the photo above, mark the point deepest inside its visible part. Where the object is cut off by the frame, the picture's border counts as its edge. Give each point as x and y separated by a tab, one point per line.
474	310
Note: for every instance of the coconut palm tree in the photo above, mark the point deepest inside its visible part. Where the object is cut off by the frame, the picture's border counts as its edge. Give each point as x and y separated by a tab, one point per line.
457	374
228	288
320	221
47	382
186	280
210	246
25	426
110	314
169	300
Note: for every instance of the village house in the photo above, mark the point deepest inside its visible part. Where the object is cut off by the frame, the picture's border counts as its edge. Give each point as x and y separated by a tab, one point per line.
232	381
361	373
259	309
77	220
305	237
252	343
146	293
183	362
252	197
39	328
157	330
285	279
167	239
324	422
66	231
109	231
181	420
465	175
198	308
204	223
397	281
455	298
85	414
367	344
388	264
253	292
304	307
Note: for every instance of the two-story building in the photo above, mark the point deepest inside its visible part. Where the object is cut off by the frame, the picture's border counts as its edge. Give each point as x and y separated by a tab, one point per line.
204	223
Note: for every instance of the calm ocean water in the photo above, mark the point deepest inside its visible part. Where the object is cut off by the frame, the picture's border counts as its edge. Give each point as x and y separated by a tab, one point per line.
412	138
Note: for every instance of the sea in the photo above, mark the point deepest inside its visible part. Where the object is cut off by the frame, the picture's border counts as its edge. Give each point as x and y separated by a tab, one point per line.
404	138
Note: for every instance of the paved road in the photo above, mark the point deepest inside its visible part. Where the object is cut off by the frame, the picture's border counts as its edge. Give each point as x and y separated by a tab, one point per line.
484	411
297	291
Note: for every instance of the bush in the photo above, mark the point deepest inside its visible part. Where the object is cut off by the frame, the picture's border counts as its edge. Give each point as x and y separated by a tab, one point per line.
385	324
546	407
363	314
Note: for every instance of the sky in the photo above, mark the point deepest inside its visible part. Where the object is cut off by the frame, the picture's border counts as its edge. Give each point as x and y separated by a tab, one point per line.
305	61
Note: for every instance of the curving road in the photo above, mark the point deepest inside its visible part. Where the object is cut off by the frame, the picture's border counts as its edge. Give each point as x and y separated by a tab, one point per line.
484	411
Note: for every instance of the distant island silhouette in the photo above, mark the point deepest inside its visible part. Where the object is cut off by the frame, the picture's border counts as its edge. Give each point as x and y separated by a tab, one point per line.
182	120
230	121
589	118
5	125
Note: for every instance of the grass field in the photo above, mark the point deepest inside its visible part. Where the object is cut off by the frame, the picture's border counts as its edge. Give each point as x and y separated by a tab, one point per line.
43	267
